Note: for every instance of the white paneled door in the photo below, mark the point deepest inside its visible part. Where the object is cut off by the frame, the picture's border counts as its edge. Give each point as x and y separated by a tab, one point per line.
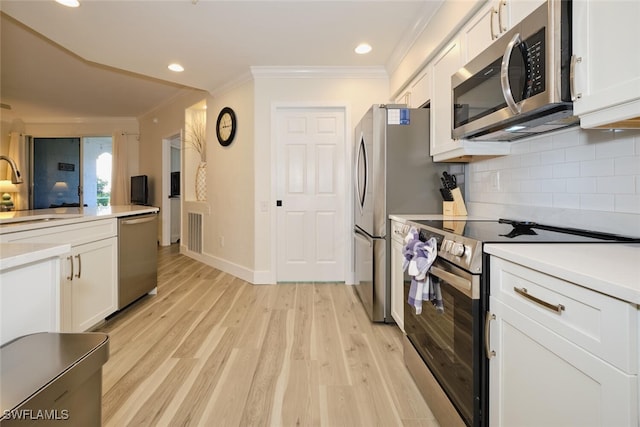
311	189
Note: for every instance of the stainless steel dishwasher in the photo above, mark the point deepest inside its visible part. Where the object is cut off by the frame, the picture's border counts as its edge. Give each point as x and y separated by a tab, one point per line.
137	257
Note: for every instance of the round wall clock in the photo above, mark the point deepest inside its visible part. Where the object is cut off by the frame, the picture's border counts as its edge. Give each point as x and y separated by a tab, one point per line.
226	126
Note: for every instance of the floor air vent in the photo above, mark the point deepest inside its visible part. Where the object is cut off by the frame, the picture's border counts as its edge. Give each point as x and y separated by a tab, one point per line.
194	243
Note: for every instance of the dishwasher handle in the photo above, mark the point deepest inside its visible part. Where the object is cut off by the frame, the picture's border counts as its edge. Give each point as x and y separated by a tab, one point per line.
137	220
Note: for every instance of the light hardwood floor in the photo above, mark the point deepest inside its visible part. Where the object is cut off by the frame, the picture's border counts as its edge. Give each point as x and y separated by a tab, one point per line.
213	350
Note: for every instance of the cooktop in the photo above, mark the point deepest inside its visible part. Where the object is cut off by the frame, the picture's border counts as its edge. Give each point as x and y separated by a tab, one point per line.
460	241
513	231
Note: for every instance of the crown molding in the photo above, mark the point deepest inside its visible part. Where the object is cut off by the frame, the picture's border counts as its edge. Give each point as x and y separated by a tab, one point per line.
411	36
237	82
78	120
269	72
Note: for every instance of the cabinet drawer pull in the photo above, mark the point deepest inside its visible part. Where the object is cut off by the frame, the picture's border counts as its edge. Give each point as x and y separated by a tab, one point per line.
487	337
503	3
79	266
70	259
493	12
557	308
572	77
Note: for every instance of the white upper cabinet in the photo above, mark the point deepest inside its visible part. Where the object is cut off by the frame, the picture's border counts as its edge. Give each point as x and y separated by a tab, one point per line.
606	63
404	98
421	89
520	9
418	92
445	64
442	147
480	32
492	21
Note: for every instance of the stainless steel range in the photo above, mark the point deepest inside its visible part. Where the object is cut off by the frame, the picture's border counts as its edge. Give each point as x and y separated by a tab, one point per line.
445	351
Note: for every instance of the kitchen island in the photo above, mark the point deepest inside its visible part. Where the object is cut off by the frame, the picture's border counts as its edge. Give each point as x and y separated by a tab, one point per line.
14	221
86	276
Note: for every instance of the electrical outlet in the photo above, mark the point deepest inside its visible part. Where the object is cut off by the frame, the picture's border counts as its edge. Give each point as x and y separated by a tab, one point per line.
495	181
222	241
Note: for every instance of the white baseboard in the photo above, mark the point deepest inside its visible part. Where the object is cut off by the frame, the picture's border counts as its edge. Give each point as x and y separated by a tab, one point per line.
223	265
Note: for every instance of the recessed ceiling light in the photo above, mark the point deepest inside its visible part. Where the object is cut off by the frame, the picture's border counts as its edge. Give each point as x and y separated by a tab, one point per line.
363	48
69	3
176	67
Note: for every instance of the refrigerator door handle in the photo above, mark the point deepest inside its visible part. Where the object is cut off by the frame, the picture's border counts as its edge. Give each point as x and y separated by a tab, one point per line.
360	236
362	153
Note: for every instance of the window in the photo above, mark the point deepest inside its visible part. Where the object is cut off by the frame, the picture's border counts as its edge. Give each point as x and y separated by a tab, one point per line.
103	177
61	179
96	176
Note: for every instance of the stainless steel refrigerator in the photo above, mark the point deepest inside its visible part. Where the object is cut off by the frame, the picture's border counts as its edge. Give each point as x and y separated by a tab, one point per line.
394	174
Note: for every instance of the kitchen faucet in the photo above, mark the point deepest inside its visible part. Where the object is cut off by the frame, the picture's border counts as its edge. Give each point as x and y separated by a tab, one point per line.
16	178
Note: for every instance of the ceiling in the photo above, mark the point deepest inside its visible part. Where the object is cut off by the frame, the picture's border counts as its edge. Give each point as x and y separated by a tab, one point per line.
108	58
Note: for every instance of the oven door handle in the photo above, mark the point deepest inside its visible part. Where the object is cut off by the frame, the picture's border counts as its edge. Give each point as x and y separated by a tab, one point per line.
461	284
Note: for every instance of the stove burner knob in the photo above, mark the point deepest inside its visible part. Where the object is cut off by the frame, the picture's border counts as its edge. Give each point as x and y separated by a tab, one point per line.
457	249
446	245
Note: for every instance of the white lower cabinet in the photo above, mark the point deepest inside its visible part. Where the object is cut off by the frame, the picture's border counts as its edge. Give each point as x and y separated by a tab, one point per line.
557	365
30	299
398	230
89	274
538	378
89	292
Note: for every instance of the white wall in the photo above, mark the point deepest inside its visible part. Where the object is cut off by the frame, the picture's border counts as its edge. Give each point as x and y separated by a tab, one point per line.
238	215
228	226
575	178
357	91
163	122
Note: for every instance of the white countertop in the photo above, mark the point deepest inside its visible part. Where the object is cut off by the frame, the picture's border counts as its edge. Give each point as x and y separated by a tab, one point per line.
18	254
609	268
435	217
14	221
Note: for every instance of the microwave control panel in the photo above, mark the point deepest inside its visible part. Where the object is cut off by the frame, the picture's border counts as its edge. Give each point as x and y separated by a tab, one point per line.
535	46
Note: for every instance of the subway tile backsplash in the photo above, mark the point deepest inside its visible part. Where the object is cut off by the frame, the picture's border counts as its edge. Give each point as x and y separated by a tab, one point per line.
588	173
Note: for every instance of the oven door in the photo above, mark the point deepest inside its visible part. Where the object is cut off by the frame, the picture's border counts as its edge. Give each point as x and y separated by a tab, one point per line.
450	342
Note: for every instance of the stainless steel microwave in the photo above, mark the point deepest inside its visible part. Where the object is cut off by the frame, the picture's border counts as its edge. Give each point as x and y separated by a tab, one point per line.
520	85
